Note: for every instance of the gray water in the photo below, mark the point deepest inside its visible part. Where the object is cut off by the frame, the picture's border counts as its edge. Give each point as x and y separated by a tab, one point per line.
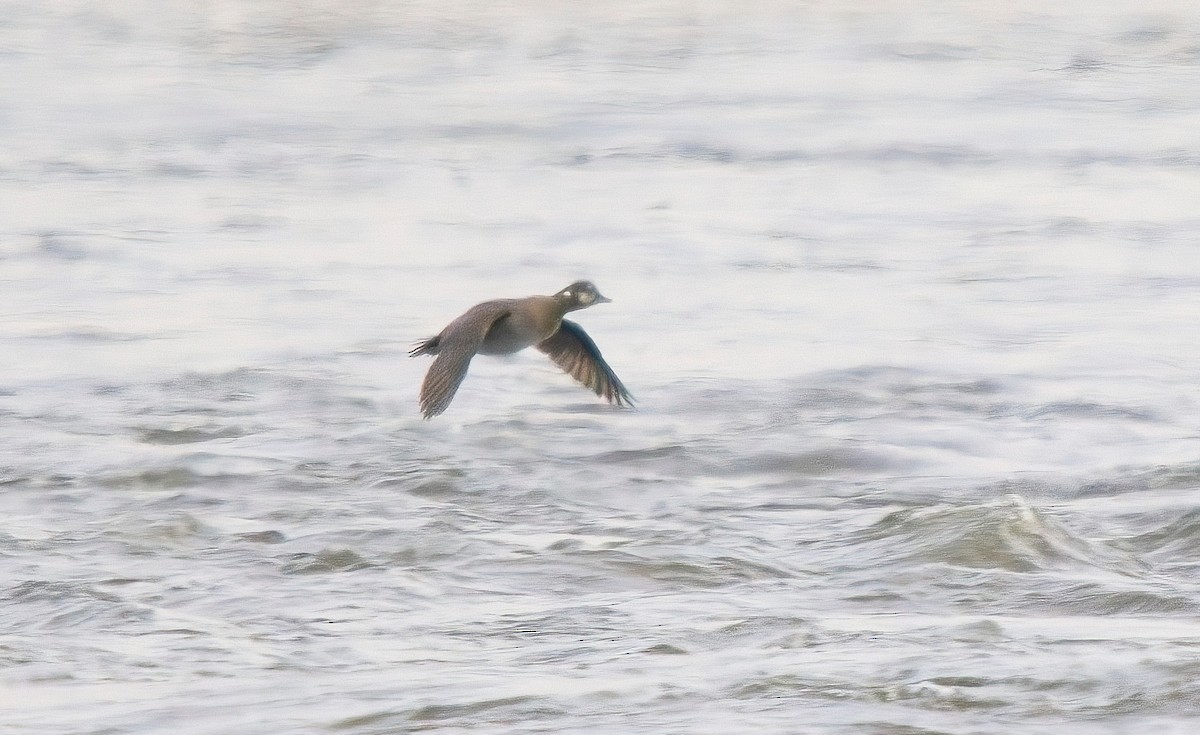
907	293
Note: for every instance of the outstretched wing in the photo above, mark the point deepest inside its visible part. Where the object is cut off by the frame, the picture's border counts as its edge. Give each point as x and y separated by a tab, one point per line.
574	351
455	346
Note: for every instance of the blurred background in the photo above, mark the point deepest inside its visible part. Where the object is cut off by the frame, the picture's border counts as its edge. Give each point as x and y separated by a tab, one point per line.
907	293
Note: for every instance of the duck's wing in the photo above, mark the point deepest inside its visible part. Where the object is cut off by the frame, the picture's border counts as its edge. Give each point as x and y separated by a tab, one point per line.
455	346
574	351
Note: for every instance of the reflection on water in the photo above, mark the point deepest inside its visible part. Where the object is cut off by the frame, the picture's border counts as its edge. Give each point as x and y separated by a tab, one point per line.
904	295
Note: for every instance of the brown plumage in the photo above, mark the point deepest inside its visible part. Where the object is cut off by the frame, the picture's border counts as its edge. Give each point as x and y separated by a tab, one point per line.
504	326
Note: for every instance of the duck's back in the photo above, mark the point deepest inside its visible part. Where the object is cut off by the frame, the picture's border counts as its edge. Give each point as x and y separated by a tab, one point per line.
526	322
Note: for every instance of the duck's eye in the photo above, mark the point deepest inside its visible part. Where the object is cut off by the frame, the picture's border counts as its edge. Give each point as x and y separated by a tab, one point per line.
569	294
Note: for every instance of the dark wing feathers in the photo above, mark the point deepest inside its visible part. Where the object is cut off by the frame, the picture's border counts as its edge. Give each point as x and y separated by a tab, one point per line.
442	381
454	347
574	351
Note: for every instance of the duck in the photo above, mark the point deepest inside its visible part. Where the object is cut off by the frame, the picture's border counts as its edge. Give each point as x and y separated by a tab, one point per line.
507	326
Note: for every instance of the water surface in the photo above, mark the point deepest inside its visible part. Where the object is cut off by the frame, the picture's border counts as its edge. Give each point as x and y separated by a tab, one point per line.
907	296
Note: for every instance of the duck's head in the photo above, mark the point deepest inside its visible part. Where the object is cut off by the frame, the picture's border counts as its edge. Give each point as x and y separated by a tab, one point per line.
581	295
